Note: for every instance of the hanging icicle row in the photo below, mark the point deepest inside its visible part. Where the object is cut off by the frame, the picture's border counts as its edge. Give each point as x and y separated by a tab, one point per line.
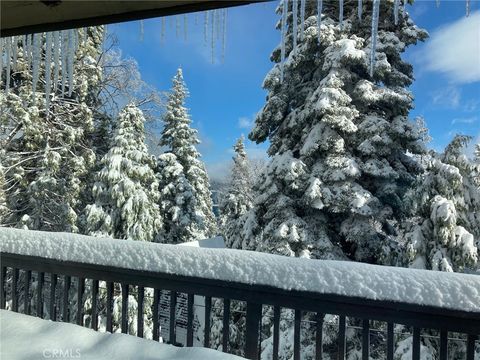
319	17
375	15
295	25
360	9
340	13
48	63
396	5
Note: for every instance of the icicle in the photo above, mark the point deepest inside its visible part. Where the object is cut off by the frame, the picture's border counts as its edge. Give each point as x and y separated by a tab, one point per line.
396	5
360	9
213	36
185	26
164	25
71	58
28	50
56	58
219	23
302	18
196	18
85	34
467	7
48	65
141	30
437	3
8	50
340	13
205	27
295	24
64	60
1	59
14	52
177	25
375	15
224	37
35	62
283	31
319	16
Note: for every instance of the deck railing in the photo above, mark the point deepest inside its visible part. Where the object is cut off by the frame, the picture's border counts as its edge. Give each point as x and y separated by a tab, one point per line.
419	317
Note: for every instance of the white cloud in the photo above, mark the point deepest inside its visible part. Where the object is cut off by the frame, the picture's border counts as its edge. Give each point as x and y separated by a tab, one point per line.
454	50
245	122
465	120
448	97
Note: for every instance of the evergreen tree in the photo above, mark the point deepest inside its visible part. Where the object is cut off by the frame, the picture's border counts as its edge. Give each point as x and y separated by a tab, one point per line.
340	145
445	228
238	199
126	189
185	201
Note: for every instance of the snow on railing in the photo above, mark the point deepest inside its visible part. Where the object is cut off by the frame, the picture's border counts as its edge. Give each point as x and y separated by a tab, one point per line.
438	289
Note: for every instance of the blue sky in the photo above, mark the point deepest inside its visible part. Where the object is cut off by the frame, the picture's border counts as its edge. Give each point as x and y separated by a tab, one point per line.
225	96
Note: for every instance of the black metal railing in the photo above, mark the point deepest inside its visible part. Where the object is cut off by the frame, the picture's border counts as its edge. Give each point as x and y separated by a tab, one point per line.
418	317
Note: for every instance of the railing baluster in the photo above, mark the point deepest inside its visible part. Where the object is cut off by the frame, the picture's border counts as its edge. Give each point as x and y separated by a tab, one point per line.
124	308
41	279
254	316
80	291
66	290
342	324
3	292
156	300
26	292
226	324
276	331
416	344
173	305
110	287
94	304
471	346
443	345
366	339
319	337
390	341
296	335
53	299
15	290
208	309
141	295
190	302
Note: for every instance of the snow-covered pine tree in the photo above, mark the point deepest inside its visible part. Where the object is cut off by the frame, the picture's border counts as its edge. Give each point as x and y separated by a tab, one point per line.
126	192
339	138
53	130
185	201
445	229
239	197
340	144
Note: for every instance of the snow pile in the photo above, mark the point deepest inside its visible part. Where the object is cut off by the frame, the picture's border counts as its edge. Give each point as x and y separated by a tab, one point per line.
29	338
212	243
447	290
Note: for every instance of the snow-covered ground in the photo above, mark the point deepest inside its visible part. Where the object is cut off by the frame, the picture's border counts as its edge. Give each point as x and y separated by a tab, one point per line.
441	289
30	338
